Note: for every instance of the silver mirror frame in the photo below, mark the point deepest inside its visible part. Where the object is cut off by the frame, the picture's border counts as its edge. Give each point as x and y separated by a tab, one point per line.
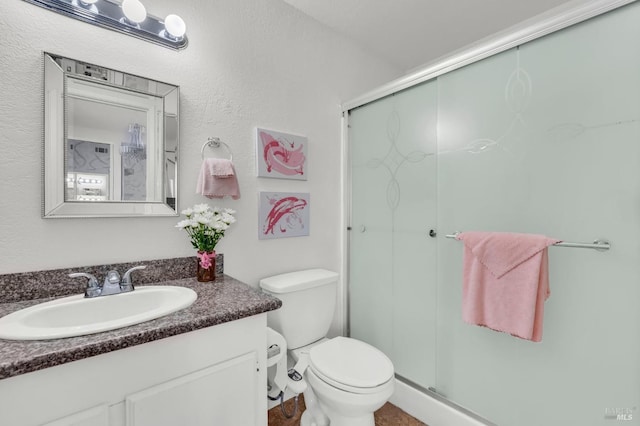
54	204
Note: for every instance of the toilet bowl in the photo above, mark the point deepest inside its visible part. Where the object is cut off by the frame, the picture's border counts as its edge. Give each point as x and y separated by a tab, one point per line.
348	381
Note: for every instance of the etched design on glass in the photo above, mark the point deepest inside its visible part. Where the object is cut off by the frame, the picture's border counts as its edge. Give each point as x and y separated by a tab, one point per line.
517	93
394	160
564	131
517	96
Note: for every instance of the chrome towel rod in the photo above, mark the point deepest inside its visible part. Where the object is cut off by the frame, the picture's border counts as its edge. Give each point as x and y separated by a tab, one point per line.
600	245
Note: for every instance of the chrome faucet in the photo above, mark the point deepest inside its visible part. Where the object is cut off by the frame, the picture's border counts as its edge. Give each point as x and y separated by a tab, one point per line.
112	283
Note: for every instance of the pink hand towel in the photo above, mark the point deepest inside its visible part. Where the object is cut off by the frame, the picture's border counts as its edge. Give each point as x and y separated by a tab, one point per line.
220	167
506	281
216	187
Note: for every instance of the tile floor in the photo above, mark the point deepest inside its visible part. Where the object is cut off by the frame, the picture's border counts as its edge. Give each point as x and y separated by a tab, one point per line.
388	415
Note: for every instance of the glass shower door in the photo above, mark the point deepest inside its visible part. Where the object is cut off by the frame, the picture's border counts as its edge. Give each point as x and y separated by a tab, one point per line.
541	139
558	124
392	280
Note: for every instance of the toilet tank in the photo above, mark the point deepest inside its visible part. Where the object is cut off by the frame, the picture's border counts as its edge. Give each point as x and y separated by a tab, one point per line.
308	303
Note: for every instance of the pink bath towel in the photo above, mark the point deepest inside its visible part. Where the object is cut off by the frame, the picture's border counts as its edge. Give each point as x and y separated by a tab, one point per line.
216	187
506	281
220	167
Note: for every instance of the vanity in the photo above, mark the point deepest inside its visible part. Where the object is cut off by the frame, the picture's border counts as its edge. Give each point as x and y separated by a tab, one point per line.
202	365
110	150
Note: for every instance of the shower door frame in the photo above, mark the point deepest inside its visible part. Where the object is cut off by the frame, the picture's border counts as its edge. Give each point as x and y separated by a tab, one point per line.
549	22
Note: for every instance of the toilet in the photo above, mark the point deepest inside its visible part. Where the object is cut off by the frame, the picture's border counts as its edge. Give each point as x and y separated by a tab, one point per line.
347	379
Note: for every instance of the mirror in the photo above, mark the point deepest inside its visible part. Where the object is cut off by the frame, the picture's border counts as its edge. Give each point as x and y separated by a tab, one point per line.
110	142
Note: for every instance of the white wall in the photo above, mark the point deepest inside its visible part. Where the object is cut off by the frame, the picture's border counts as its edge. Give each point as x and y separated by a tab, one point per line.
249	63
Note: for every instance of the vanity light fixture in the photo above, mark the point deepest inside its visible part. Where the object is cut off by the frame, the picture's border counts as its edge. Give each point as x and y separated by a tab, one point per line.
128	17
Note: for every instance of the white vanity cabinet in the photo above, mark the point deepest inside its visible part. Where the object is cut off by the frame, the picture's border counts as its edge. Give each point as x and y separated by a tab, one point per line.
212	376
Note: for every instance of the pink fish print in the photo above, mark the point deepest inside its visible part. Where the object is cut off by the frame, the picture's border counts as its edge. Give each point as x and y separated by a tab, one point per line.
281	158
284	214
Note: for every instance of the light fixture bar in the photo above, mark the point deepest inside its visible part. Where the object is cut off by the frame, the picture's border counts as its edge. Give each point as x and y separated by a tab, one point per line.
109	14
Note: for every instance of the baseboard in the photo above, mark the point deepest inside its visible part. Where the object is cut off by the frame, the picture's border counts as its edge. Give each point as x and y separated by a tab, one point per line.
429	409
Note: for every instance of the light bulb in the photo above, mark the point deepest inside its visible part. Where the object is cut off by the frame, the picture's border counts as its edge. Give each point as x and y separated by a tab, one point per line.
134	11
175	25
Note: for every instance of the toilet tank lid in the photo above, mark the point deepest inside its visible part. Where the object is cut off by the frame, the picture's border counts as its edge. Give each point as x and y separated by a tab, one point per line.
299	280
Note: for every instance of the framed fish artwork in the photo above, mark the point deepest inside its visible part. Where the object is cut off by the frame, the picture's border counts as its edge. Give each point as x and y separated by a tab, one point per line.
281	155
282	215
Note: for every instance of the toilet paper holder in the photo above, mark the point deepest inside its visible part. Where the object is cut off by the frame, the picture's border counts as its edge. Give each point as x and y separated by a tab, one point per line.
272	352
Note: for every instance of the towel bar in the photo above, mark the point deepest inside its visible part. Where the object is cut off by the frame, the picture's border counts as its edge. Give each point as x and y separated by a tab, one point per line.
600	245
215	143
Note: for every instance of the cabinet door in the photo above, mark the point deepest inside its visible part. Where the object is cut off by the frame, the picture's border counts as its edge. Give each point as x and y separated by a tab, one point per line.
223	394
96	416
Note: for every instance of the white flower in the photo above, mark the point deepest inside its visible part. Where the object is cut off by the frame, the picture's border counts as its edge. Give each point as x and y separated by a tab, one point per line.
201	208
205	225
227	218
183	223
203	220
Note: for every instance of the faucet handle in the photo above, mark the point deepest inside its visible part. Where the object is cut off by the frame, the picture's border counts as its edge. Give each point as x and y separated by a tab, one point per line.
93	288
112	278
126	280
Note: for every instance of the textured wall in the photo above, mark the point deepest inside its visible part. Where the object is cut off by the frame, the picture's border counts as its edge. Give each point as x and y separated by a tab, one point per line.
249	63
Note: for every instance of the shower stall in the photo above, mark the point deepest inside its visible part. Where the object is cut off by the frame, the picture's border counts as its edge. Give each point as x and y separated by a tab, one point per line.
542	137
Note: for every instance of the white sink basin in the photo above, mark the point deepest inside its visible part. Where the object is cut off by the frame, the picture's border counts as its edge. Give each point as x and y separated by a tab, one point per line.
77	315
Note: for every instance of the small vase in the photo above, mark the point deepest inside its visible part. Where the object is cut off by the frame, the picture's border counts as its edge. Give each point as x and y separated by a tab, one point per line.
206	266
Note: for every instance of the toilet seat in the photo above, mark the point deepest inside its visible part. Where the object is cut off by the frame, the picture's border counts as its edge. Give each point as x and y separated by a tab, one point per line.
350	365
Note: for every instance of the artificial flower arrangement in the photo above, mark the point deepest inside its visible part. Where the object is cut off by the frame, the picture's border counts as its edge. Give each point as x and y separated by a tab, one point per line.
206	226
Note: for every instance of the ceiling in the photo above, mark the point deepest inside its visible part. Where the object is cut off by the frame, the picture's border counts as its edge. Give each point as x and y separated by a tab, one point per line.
411	33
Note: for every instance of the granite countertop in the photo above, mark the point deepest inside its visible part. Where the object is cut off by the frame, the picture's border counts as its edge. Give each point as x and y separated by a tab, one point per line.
224	300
